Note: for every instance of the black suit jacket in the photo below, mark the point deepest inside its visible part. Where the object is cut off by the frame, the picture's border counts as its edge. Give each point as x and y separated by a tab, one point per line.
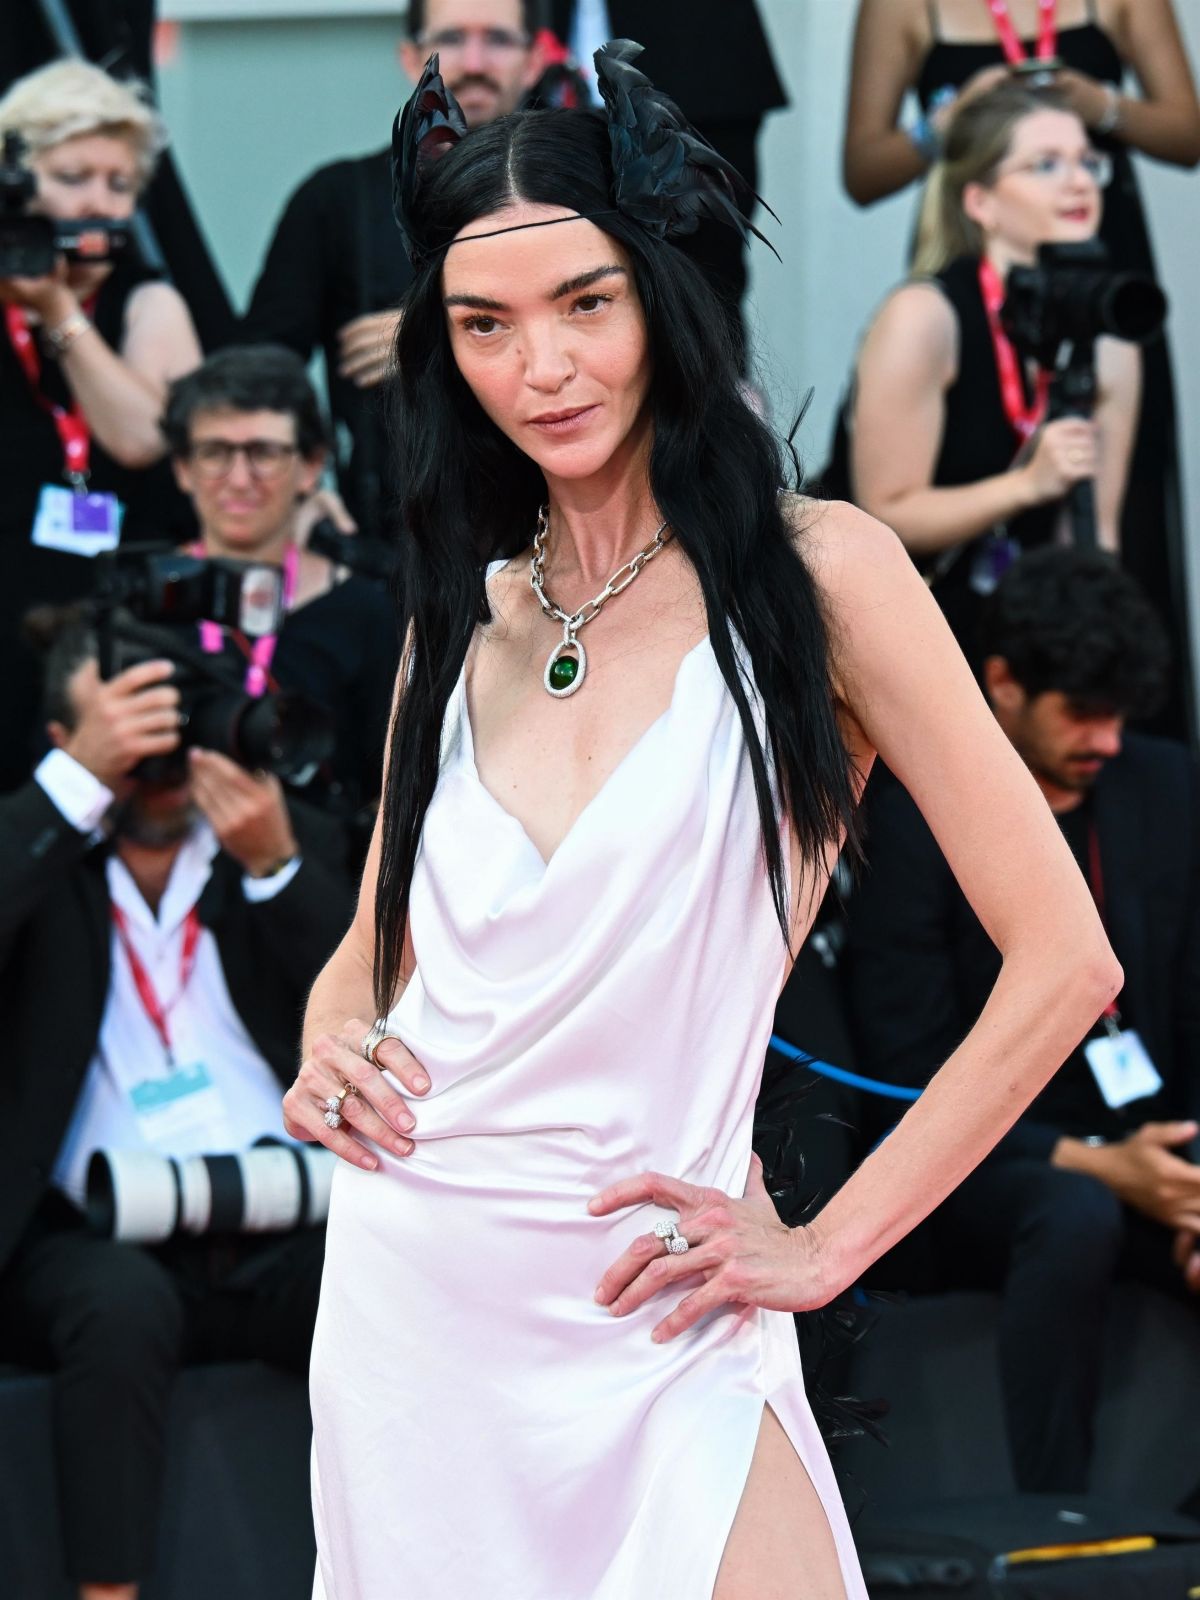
55	970
711	56
920	966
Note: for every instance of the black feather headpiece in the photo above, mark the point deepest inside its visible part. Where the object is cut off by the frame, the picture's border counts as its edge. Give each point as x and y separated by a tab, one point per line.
425	130
666	175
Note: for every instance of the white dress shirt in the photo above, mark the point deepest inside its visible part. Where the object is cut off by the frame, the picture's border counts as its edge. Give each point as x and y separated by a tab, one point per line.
204	1026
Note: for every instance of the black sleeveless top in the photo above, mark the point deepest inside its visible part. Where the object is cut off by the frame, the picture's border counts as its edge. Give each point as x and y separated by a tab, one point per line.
31	456
978	441
1088	49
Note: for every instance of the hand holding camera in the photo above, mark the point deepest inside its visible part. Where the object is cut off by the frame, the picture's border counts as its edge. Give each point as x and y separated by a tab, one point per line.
121	722
1065	453
246	811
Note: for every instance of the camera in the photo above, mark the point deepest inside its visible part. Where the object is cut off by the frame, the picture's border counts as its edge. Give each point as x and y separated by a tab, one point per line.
29	243
144	1198
1072	296
146	604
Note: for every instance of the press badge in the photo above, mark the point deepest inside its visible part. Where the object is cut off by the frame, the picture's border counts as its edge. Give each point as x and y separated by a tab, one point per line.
1121	1067
78	524
180	1110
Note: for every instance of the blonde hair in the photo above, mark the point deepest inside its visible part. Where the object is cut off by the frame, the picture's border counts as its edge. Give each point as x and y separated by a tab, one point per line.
977	140
71	98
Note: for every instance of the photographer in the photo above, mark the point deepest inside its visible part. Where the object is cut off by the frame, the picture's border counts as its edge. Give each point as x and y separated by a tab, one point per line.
248	446
945	434
1093	1182
86	354
335	271
152	936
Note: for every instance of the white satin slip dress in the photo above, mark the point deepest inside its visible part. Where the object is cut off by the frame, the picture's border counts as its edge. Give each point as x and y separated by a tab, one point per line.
482	1429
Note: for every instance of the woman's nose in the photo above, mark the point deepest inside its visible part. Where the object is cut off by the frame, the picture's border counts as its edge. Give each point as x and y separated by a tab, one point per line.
548	364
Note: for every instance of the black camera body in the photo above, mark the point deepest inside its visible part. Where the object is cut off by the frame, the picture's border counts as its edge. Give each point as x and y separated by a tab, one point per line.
29	243
1072	296
147	602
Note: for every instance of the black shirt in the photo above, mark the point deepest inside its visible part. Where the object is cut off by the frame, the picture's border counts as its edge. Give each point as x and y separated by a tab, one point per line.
920	966
31	456
337	254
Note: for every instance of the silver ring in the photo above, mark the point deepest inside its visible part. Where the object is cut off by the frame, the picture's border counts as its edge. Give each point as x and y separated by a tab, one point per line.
670	1235
372	1039
333	1106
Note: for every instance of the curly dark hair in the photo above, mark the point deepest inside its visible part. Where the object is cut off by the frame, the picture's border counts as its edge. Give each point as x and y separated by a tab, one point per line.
250	377
1072	621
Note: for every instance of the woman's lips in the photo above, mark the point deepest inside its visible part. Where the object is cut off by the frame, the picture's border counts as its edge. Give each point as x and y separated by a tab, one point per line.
563	422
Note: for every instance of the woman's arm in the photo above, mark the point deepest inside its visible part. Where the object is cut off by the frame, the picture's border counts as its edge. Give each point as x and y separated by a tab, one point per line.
908	361
122	395
1119	384
878	158
1164	121
909	695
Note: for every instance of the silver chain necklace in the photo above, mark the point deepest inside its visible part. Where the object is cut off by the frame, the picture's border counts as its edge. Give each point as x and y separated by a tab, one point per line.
567	664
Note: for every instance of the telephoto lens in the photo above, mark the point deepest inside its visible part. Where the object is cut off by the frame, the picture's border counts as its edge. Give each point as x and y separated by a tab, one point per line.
143	1197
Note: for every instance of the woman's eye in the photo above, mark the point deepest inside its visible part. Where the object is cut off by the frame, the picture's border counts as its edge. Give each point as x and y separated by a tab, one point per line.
591	303
480	324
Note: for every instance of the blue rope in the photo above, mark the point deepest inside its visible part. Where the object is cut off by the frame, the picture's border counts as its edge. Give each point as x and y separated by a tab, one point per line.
889	1091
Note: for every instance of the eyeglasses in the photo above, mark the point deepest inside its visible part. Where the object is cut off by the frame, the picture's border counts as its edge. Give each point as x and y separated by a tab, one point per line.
1053	169
496	41
267	459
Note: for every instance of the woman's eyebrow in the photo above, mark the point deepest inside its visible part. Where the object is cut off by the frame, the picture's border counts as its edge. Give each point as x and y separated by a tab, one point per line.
582	280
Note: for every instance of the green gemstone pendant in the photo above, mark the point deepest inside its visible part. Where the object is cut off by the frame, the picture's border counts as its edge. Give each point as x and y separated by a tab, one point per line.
564	670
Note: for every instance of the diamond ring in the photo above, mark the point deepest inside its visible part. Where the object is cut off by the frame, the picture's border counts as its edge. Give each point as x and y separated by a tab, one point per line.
670	1235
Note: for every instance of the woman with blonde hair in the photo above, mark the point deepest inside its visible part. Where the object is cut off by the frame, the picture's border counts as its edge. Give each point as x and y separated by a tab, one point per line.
1122	66
86	354
945	434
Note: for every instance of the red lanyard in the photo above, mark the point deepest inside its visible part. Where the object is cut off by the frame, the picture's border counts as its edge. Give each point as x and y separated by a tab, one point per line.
73	431
1010	43
262	651
147	993
1096	883
1024	416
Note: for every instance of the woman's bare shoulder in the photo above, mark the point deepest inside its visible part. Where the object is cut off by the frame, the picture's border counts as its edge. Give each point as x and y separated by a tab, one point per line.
846	551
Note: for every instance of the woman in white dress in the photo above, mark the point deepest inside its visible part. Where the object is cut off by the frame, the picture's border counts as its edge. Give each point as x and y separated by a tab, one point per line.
555	1357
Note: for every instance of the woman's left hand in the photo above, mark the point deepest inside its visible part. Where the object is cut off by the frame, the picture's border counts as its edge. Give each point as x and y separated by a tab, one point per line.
740	1247
50	296
1087	97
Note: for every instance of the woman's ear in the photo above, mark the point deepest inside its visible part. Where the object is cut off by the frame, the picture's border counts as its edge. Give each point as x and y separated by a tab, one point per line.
978	205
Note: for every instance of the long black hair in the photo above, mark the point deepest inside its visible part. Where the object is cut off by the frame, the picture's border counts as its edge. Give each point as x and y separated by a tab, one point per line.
470	496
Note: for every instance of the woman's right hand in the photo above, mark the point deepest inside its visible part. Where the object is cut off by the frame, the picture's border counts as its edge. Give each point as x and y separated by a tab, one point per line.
1065	453
376	1113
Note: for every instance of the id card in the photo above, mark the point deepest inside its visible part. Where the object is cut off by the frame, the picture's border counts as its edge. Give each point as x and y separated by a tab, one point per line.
78	524
181	1111
1121	1067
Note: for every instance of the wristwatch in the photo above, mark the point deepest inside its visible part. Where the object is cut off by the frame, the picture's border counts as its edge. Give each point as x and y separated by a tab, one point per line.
276	867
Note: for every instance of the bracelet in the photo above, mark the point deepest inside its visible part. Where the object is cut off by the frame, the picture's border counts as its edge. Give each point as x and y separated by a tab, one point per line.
65	334
1111	120
926	140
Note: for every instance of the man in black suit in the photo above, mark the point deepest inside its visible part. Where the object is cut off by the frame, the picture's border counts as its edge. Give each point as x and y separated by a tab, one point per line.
335	270
1093	1181
157	941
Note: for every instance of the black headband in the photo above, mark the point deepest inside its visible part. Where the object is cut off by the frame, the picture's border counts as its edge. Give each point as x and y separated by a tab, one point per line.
666	176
